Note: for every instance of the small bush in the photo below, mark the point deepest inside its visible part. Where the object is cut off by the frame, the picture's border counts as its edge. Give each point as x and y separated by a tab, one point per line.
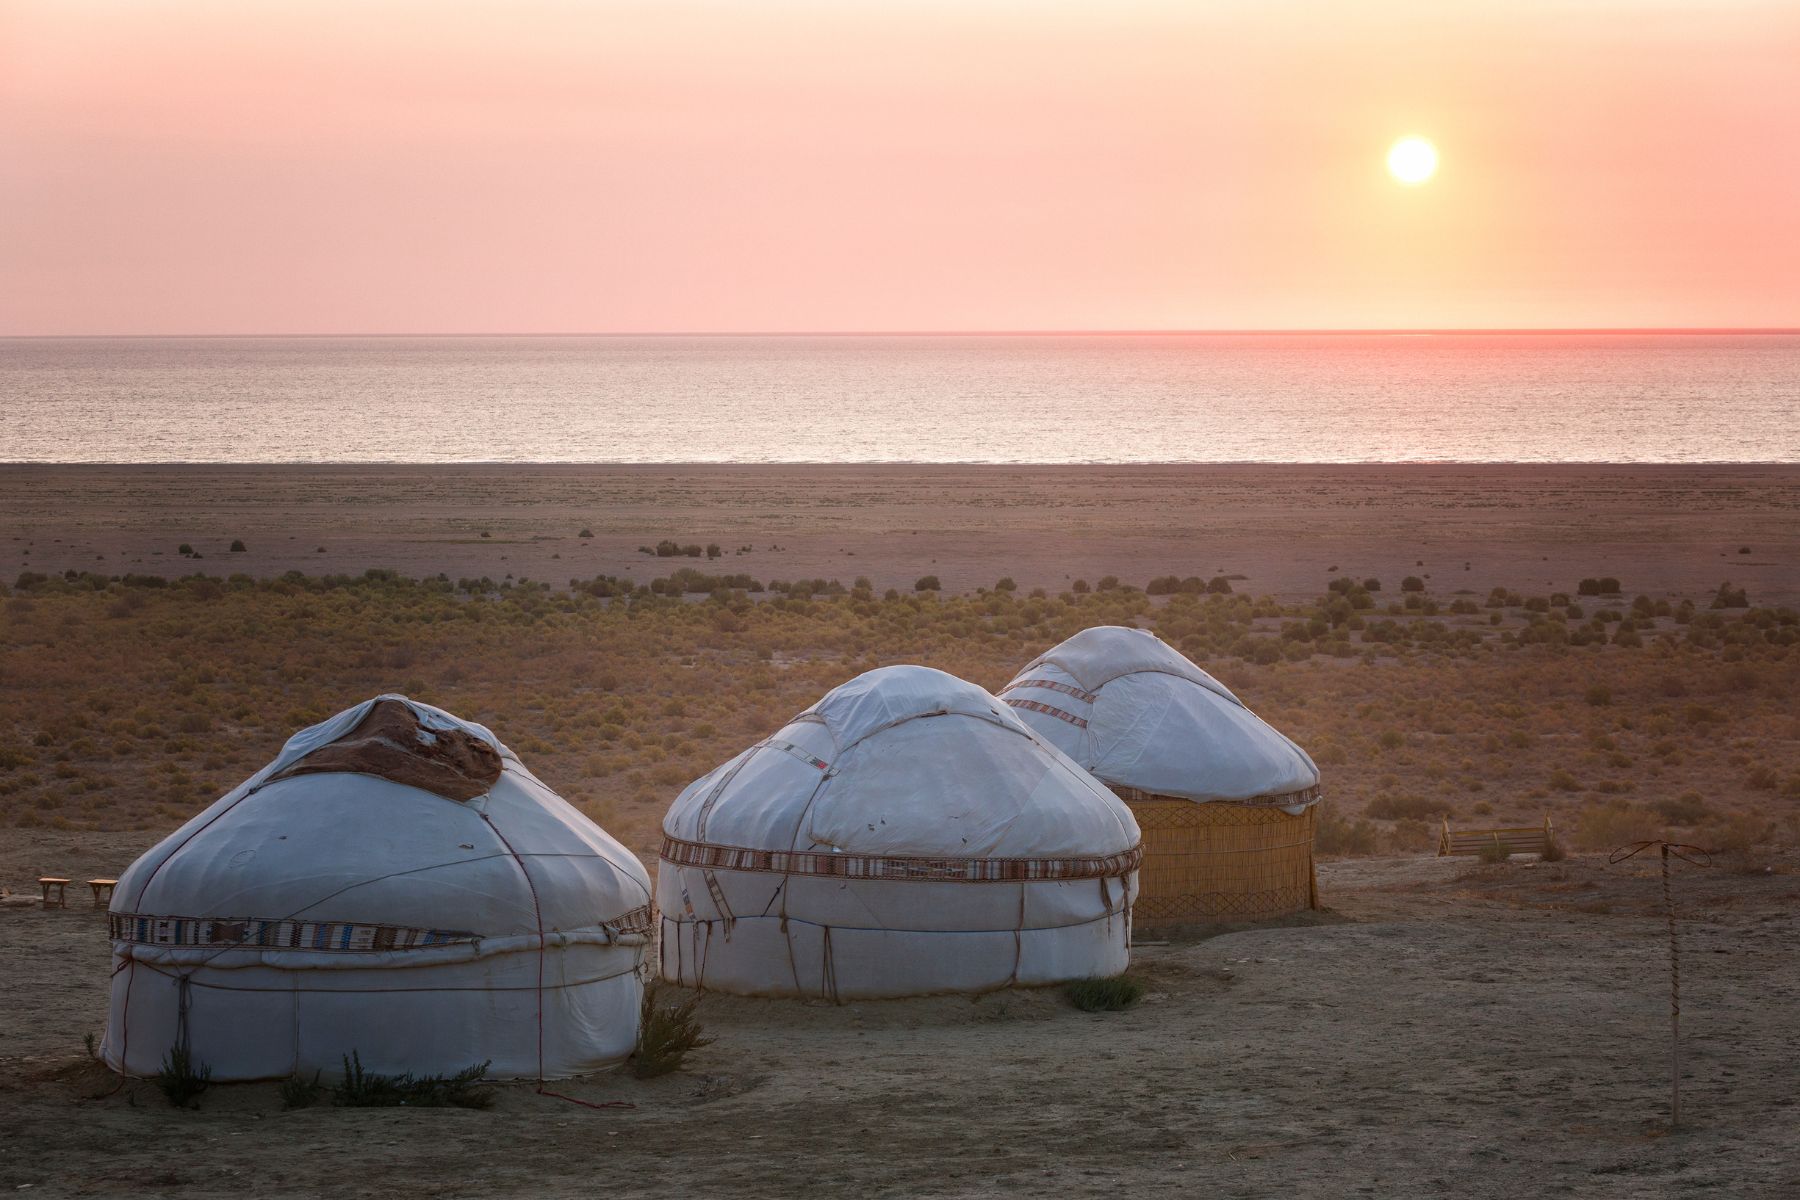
299	1092
181	1079
1689	808
367	1089
927	583
1553	852
1335	835
667	1034
586	533
1412	583
1493	852
1599	695
1406	808
238	547
1105	995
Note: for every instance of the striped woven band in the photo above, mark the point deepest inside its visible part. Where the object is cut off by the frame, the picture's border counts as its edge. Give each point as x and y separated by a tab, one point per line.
253	932
677	852
1050	710
1304	796
275	934
1065	688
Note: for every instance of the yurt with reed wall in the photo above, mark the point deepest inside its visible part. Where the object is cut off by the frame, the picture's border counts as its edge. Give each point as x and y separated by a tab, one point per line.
1225	801
904	836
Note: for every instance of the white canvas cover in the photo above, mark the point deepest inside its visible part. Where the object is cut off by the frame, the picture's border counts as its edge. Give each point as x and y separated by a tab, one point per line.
301	918
906	835
1135	712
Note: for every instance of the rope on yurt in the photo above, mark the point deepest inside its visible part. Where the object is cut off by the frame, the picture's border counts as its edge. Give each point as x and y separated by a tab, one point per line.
537	912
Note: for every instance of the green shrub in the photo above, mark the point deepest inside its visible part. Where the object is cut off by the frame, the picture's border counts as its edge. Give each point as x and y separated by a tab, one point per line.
1105	995
368	1089
927	583
300	1092
238	547
1407	808
666	1035
1493	852
181	1079
1412	583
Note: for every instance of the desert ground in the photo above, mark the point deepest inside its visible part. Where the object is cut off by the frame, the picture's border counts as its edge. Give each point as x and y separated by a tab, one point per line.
1443	1028
1447	1029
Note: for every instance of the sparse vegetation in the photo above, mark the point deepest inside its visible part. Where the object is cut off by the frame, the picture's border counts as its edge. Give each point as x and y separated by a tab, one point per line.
368	1089
297	1091
182	1080
1116	994
667	1033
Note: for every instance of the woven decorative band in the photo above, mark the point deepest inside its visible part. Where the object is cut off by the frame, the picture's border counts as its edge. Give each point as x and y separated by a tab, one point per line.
276	935
1065	688
860	866
641	919
1283	800
1058	713
1195	905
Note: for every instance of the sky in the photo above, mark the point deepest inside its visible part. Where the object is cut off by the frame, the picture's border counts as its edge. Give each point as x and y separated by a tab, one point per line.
534	166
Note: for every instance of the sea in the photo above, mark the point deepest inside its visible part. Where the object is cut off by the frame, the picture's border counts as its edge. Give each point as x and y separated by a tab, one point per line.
1102	398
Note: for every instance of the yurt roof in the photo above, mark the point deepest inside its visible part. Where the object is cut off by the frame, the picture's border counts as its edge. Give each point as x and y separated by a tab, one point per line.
1138	714
905	761
391	813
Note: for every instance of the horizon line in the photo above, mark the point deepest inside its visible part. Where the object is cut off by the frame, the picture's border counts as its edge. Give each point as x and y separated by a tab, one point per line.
1333	331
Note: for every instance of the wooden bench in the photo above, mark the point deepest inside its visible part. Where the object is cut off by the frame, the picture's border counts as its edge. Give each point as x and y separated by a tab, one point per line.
103	890
46	882
1529	839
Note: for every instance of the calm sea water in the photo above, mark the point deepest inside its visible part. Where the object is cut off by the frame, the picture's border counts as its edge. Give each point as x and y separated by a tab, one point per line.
1178	398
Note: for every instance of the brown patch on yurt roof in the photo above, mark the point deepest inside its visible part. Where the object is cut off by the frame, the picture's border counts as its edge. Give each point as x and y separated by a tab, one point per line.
391	744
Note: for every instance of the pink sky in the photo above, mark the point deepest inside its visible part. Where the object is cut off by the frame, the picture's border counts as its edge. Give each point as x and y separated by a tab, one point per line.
314	166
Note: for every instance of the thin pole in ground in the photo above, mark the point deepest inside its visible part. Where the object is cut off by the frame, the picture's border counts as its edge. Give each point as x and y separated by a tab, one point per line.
1700	858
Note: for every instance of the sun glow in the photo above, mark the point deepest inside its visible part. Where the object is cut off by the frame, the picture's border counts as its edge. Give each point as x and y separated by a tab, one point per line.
1412	160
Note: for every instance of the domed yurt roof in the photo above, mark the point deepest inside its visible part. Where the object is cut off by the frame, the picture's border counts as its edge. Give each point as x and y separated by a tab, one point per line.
919	764
391	837
1135	712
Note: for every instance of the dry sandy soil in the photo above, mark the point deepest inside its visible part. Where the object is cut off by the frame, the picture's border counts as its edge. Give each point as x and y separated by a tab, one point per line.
1448	1030
1659	529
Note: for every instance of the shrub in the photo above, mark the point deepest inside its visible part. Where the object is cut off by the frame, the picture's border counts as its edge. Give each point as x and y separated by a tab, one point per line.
367	1089
1606	586
713	550
181	1079
1599	695
1730	597
1371	585
1553	851
1493	852
927	583
1105	995
184	549
1607	826
1406	808
667	1034
1006	584
1689	808
237	547
1079	587
300	1092
1335	835
1412	583
1108	583
586	533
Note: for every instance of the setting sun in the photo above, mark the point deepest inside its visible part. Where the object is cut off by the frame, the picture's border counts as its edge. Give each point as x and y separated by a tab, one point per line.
1412	160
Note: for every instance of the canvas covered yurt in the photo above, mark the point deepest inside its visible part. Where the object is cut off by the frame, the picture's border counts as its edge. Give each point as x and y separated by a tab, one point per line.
395	884
1225	801
906	835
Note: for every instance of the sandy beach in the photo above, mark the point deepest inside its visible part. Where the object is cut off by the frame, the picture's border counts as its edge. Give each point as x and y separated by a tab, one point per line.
1658	529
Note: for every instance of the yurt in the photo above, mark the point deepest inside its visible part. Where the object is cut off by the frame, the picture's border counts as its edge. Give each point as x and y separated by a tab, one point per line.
395	884
1224	800
906	835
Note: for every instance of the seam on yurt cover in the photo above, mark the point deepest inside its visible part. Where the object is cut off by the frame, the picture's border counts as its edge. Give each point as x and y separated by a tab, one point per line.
1066	689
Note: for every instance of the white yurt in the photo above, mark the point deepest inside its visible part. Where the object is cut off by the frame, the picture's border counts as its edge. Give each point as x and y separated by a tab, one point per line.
1225	801
906	835
396	884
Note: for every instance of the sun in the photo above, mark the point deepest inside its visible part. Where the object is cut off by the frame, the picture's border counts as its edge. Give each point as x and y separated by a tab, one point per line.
1412	160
